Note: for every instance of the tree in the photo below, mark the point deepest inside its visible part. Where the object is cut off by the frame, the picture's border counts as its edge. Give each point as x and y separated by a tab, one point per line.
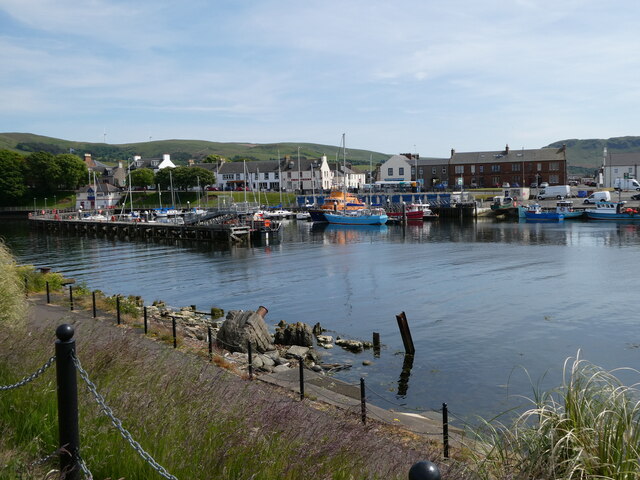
141	177
212	158
185	177
12	180
73	172
42	171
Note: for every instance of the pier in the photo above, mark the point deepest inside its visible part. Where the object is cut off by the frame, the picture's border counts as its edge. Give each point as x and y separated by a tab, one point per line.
215	226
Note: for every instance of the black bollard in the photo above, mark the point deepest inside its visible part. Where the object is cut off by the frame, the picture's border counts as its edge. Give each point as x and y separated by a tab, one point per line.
93	298
145	320
301	363
250	354
67	403
363	402
445	429
48	294
424	470
175	339
71	296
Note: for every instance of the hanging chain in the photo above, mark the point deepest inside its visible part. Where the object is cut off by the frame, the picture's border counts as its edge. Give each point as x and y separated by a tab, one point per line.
31	377
118	424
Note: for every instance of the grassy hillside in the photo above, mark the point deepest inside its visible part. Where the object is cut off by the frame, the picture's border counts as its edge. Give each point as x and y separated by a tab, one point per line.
182	150
588	153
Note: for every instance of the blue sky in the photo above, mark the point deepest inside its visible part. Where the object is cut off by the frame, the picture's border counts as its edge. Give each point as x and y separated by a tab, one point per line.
400	76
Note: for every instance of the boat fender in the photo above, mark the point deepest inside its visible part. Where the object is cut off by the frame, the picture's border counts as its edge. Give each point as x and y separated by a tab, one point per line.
113	218
515	198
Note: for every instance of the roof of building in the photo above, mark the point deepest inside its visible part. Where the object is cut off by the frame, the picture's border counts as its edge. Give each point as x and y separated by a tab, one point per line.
100	187
627	158
508	155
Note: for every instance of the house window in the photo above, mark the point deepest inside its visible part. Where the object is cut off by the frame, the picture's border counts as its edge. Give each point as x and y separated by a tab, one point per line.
238	177
481	168
495	168
554	179
401	171
390	171
539	165
473	169
496	181
420	171
276	175
227	176
515	167
459	168
265	175
553	166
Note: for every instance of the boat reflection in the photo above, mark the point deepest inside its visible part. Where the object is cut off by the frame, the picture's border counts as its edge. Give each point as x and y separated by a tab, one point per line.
343	234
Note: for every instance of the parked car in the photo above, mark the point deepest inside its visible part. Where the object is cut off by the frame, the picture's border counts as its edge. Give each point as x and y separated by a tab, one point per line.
544	185
596	197
213	189
635	197
534	185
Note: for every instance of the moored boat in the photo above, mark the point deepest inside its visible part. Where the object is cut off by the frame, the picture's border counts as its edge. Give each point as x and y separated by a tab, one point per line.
337	201
535	212
363	216
613	211
565	207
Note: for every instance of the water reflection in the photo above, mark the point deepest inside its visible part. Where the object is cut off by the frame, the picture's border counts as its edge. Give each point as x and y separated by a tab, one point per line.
403	381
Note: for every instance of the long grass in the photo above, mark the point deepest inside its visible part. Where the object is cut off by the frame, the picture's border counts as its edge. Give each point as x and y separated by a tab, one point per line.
197	420
12	291
586	429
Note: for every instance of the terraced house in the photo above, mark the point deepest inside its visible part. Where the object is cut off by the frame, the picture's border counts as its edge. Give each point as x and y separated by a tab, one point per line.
514	167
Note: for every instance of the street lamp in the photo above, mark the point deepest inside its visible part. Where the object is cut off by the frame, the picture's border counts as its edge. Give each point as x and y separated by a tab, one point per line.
34	205
55	201
45	204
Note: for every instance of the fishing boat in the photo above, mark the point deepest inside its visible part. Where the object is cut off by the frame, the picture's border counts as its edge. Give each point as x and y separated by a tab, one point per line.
613	211
565	207
352	213
504	206
335	202
364	216
535	212
427	213
398	216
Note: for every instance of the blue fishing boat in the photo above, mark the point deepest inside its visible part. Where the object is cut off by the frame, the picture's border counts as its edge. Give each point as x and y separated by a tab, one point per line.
535	212
613	211
364	216
565	207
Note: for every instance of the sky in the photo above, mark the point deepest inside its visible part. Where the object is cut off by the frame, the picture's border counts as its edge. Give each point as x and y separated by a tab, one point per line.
419	76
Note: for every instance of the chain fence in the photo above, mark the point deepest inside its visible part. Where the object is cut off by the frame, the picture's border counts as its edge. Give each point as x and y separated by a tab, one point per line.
31	377
118	424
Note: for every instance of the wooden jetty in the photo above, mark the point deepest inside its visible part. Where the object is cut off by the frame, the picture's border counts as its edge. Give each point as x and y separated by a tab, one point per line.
213	227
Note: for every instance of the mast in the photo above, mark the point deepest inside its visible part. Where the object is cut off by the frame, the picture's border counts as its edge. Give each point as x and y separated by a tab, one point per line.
245	175
344	174
279	178
173	201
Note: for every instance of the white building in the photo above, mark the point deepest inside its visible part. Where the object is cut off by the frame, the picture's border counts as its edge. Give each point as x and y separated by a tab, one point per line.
619	165
398	168
97	196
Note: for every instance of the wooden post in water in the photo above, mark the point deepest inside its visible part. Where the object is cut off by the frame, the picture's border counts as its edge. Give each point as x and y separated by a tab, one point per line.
406	333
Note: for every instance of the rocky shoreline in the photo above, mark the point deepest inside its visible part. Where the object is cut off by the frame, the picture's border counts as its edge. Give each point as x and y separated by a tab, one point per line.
282	350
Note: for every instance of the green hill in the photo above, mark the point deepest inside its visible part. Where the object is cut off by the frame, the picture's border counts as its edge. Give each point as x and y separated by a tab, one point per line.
586	155
183	150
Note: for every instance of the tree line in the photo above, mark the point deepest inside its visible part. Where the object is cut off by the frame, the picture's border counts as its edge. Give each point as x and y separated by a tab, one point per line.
44	173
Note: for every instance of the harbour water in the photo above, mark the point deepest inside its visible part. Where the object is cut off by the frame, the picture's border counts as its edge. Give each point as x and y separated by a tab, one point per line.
494	308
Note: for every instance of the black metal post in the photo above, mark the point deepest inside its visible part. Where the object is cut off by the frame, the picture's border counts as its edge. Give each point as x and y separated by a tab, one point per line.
445	429
93	300
376	344
48	294
69	435
175	340
301	363
210	344
145	319
250	353
363	401
71	296
118	308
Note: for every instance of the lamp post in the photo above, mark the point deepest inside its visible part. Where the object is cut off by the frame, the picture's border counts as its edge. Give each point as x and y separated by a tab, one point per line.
34	205
55	201
45	204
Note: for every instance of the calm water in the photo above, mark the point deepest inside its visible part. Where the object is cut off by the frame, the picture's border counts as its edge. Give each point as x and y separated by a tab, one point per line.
487	302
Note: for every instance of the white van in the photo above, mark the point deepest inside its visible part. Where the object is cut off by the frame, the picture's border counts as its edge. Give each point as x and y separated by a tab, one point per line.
598	197
556	191
626	184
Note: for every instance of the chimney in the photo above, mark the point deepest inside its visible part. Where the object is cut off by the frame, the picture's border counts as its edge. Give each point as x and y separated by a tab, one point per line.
506	149
453	152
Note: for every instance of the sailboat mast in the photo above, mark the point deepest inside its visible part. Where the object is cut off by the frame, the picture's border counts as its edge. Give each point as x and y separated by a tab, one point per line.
279	178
